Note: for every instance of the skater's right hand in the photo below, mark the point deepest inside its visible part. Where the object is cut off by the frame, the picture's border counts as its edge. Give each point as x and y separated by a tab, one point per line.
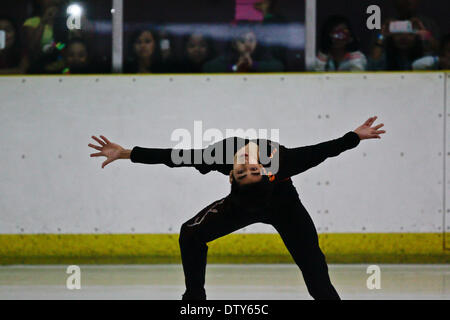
108	149
366	131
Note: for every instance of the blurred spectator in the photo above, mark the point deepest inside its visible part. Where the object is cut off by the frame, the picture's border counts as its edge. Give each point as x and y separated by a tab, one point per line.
339	47
426	27
62	34
244	54
45	53
77	58
38	29
197	50
395	50
439	62
48	37
85	35
13	58
272	20
145	54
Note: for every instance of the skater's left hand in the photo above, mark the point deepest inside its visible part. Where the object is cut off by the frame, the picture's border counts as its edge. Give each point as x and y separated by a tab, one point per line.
365	131
108	149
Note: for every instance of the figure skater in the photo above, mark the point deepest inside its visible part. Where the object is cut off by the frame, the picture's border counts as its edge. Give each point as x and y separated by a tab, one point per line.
261	191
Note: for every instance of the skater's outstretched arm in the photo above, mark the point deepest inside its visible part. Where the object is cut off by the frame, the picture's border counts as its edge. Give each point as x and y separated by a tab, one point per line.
300	159
189	157
171	157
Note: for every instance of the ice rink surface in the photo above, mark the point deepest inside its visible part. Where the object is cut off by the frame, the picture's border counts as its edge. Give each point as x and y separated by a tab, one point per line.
223	282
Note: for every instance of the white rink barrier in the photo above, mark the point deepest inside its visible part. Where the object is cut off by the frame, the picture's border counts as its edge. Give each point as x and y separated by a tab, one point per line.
50	184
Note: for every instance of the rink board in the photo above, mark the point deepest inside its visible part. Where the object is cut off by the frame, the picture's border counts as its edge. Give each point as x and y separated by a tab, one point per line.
447	163
51	187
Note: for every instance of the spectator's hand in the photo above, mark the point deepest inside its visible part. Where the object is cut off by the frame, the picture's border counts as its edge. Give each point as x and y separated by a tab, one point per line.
49	15
417	24
248	60
365	131
108	149
245	62
420	29
385	31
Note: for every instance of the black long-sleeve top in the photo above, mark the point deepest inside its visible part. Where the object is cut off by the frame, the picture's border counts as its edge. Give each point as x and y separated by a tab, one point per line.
291	161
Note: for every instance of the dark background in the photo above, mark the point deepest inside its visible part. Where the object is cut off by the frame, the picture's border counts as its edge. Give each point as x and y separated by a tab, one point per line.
438	10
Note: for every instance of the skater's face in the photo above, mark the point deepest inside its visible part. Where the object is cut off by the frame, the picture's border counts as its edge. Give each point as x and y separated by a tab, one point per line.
246	167
247	173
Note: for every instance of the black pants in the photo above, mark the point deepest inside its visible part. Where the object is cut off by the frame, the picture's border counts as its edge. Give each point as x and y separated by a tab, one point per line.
286	214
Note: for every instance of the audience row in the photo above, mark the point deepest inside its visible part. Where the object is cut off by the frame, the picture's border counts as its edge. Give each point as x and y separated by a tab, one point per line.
43	44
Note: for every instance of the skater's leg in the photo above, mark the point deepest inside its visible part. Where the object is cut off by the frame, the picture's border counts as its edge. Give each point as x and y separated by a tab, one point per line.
214	221
297	230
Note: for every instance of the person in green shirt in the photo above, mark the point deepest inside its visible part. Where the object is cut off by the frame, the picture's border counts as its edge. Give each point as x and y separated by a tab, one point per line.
38	29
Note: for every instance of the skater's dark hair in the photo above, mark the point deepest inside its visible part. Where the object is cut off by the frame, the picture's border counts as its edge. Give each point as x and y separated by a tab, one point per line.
252	196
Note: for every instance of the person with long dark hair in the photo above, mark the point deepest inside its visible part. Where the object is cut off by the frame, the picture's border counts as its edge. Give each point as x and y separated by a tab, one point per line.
197	50
260	172
144	53
244	54
339	47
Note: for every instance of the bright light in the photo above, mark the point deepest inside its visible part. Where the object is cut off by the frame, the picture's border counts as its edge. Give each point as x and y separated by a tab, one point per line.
74	10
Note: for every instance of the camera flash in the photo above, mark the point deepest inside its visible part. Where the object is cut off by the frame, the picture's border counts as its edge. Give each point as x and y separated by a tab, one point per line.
74	10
